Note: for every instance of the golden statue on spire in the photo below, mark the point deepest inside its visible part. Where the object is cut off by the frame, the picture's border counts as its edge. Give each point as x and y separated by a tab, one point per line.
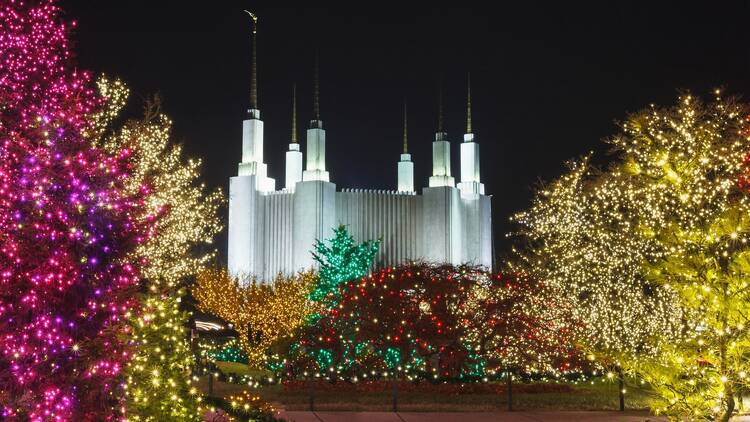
254	17
253	64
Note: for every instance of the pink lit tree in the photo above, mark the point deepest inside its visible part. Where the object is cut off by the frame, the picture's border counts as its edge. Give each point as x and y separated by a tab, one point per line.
67	231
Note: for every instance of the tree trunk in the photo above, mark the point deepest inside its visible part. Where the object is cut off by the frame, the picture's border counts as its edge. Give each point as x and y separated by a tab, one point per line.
394	394
311	384
510	390
729	387
730	406
210	383
621	385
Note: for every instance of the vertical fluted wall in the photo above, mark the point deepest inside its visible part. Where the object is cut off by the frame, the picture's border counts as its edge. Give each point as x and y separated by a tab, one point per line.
393	217
279	211
274	232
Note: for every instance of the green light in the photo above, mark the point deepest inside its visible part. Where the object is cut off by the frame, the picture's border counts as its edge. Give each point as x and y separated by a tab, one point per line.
340	260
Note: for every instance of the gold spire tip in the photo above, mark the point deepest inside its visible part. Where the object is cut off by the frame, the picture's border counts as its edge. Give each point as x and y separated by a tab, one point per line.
440	106
468	103
406	146
254	18
316	87
253	63
294	113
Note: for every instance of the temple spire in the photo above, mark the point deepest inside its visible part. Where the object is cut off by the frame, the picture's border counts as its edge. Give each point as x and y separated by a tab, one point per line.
406	146
315	169
441	149
316	88
440	106
405	181
470	185
468	103
253	64
294	155
294	113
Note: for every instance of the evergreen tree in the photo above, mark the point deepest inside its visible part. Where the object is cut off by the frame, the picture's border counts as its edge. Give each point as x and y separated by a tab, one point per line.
68	231
158	375
340	260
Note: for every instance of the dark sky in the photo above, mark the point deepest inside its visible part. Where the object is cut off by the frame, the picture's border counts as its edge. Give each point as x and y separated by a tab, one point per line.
549	80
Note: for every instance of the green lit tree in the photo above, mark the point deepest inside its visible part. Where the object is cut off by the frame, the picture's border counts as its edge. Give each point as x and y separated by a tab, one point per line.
341	259
158	376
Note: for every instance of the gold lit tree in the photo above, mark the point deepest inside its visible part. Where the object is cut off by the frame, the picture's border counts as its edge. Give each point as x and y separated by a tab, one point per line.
665	228
158	380
261	313
685	164
577	238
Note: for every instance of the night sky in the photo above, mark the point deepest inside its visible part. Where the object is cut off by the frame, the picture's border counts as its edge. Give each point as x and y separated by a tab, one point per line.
549	81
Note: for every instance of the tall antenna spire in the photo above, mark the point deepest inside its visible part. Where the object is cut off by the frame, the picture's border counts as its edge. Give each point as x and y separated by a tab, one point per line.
406	149
294	113
440	105
253	64
468	103
316	87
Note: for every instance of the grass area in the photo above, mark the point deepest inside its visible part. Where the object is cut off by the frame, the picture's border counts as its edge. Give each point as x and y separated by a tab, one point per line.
599	396
241	369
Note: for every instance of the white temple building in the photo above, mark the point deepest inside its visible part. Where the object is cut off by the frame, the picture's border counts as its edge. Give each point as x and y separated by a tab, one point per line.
273	231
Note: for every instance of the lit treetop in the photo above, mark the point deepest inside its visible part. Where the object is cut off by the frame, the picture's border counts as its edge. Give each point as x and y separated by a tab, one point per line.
685	167
188	213
579	240
340	260
37	81
662	233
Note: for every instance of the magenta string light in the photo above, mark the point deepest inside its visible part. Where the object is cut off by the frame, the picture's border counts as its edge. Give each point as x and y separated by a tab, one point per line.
67	230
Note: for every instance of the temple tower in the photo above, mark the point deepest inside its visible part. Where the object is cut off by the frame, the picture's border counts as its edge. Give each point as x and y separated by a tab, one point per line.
470	184
315	196
293	155
441	151
405	182
245	189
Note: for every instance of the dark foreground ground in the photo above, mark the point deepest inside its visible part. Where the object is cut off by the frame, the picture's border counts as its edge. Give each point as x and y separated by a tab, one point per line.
523	416
585	397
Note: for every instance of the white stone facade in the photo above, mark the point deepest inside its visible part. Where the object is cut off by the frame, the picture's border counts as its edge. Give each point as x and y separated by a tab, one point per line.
273	232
